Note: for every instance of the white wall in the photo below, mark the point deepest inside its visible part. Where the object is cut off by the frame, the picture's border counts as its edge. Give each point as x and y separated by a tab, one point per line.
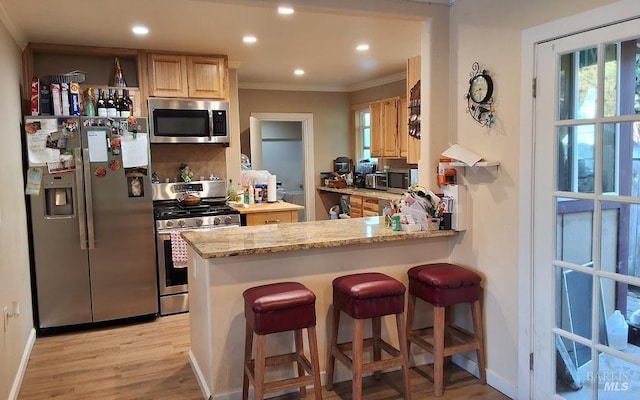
14	255
489	32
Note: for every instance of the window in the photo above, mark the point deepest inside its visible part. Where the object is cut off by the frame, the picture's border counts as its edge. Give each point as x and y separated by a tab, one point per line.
363	129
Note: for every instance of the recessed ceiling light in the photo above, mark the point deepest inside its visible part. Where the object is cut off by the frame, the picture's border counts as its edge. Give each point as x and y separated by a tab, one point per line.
299	71
285	10
362	47
140	30
249	39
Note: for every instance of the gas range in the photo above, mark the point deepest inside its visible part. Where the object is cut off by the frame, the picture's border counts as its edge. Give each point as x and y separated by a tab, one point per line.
212	212
173	215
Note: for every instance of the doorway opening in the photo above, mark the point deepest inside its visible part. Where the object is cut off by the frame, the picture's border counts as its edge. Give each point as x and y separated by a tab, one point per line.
283	145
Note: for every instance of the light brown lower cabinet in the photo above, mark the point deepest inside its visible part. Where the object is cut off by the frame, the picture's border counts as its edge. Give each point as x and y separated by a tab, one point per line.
272	217
362	206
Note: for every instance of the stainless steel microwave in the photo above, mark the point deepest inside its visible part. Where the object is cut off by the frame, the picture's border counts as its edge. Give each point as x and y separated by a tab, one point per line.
188	121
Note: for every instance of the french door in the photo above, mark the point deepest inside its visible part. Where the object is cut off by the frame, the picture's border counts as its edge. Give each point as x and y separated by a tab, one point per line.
586	208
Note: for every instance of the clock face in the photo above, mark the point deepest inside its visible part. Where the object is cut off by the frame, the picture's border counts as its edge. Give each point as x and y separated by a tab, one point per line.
480	89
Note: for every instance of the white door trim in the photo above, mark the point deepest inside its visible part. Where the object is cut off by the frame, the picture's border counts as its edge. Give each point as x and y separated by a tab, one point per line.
306	119
602	16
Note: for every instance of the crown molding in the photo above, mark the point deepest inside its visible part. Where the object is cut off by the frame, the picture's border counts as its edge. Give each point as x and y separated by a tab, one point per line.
17	35
323	88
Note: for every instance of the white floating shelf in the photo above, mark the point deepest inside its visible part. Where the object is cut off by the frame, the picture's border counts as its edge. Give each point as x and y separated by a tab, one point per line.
478	164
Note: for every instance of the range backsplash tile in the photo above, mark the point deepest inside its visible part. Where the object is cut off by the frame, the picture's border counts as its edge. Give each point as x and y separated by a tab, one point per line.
203	159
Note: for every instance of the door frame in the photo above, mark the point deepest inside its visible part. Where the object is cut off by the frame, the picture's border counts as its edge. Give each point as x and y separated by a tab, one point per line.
596	18
306	120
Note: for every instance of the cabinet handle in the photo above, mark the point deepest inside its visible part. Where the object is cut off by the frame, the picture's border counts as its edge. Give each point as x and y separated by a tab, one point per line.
272	221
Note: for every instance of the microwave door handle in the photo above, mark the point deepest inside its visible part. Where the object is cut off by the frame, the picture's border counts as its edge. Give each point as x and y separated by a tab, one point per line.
210	125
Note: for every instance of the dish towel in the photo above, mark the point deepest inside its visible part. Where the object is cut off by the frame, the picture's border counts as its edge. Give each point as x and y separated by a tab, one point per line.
178	250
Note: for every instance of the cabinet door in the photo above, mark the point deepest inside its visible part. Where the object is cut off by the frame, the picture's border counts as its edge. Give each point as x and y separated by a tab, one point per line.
403	126
168	75
370	206
376	129
355	206
390	146
207	77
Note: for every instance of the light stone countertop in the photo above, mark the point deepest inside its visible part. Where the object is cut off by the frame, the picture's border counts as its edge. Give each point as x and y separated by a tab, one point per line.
267	207
377	194
264	239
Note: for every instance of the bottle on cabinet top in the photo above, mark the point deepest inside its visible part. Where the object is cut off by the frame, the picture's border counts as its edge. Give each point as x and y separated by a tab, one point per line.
111	105
101	104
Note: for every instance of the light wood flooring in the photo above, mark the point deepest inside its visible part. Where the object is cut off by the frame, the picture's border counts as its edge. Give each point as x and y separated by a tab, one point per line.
149	361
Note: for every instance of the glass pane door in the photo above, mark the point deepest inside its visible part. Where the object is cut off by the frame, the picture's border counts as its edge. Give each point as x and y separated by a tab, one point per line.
586	216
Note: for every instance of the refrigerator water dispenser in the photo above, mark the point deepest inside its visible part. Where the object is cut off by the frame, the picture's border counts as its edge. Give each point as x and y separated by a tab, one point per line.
58	195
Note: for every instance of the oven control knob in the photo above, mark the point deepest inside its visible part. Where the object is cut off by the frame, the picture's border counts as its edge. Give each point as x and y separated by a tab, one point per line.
169	224
181	223
199	221
227	219
216	221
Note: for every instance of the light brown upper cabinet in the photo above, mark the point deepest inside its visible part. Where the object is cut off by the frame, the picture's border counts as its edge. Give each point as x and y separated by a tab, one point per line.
376	128
403	127
173	75
385	139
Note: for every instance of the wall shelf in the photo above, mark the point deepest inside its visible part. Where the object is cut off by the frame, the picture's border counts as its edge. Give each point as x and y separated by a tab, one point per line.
478	164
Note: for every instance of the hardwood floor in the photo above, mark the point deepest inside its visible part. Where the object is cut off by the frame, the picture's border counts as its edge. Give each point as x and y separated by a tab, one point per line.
149	361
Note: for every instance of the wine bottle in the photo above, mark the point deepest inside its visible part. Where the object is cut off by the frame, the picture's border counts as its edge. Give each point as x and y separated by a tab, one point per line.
118	98
111	105
101	105
125	104
89	104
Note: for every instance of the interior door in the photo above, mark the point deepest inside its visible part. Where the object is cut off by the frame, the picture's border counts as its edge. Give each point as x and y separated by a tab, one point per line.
586	205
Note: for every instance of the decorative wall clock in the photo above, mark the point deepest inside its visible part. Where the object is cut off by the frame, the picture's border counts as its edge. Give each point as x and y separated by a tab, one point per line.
479	96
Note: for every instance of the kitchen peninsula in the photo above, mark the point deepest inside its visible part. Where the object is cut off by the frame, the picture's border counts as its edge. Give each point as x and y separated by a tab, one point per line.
225	262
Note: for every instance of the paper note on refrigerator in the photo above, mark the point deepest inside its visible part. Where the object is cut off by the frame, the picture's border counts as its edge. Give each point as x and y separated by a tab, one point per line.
38	137
135	150
97	142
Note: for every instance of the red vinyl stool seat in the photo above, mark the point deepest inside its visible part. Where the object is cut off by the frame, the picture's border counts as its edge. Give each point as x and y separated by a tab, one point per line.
444	285
280	307
368	296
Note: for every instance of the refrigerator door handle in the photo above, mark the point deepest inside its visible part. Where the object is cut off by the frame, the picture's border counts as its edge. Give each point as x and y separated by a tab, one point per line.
89	198
82	221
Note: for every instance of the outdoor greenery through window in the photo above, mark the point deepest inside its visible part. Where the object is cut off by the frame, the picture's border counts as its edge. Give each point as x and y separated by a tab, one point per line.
364	130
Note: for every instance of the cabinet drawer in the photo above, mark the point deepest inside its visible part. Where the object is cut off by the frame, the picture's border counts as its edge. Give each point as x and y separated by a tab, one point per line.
368	213
371	204
268	218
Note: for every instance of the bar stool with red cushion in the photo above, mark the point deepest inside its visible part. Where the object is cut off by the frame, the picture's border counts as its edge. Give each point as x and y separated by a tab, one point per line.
368	296
444	285
273	308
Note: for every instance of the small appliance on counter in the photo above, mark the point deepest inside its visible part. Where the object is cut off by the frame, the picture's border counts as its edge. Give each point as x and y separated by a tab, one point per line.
376	181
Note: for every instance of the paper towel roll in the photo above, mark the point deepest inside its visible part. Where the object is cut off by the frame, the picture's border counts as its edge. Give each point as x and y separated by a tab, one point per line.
271	189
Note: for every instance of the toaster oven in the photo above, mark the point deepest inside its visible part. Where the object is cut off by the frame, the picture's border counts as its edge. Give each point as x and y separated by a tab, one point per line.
376	180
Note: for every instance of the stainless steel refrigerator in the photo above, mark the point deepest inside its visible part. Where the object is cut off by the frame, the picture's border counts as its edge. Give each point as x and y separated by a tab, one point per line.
91	220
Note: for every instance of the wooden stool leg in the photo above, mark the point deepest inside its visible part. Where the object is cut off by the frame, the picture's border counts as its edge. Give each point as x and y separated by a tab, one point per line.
259	367
248	344
411	309
376	329
297	334
358	338
439	327
333	345
315	362
402	340
476	313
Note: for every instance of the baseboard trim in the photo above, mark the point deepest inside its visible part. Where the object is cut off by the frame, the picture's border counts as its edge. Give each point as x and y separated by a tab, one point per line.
22	368
199	377
495	381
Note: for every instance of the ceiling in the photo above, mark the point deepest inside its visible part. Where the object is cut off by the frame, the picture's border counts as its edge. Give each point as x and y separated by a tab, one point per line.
320	37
